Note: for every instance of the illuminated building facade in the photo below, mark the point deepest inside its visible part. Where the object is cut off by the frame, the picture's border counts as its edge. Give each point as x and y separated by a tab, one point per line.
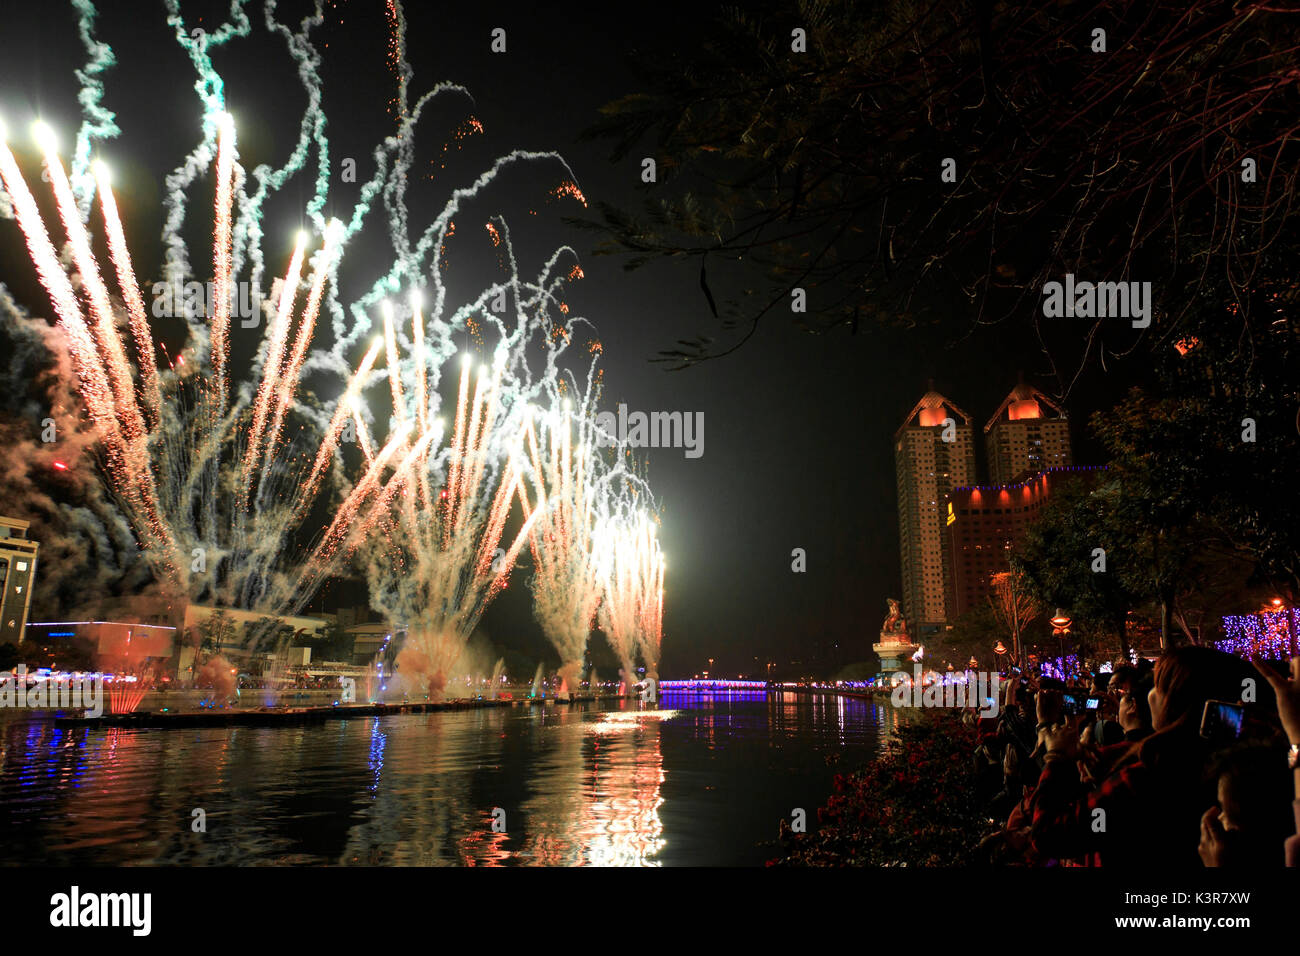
17	575
112	640
1028	434
985	522
934	451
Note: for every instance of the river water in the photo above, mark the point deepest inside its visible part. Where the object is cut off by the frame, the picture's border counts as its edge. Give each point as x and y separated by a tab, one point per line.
702	781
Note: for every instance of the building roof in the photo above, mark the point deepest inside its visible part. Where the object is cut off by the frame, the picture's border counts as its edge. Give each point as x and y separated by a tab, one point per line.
1023	402
931	401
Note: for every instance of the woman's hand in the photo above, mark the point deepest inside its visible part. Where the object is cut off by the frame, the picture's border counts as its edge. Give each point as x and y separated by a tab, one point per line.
1214	839
1060	740
1049	705
1288	696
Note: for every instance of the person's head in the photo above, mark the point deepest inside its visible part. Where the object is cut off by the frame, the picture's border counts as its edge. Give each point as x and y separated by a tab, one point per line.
1186	677
1135	704
1025	701
1254	788
1107	732
1254	797
1122	680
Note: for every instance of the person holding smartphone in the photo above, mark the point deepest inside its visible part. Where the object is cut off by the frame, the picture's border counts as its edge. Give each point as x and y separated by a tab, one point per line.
1148	806
1216	845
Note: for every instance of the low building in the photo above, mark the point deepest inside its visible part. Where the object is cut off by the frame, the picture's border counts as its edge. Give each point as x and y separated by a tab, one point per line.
371	639
984	523
17	576
112	640
237	639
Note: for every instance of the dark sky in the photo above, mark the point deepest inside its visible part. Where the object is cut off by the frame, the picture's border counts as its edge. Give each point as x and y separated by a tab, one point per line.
797	427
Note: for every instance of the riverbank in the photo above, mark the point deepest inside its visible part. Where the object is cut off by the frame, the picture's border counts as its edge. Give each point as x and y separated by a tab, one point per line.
914	805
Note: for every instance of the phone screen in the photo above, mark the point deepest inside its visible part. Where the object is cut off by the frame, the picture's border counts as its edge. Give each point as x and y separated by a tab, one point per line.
1222	720
1093	702
1071	704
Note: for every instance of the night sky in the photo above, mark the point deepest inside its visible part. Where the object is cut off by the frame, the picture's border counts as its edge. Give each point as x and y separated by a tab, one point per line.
797	427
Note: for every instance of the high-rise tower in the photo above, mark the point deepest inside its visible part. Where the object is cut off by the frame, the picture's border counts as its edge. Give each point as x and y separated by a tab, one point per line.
934	451
1021	439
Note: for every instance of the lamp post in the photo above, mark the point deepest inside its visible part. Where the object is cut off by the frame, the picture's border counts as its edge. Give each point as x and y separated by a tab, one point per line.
1060	629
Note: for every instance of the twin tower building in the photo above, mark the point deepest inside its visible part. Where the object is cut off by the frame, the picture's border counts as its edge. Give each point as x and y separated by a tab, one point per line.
954	532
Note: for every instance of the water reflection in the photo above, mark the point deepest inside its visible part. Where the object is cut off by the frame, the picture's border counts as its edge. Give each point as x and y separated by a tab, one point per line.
703	780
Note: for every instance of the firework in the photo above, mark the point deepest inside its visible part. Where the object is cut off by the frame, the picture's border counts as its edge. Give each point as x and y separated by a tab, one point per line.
126	691
632	604
572	489
173	463
436	568
217	477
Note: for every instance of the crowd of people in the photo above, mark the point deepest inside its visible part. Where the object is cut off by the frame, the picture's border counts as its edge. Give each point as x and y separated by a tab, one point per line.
1190	760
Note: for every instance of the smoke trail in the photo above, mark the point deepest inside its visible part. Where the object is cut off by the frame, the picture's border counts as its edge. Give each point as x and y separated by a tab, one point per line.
99	122
88	551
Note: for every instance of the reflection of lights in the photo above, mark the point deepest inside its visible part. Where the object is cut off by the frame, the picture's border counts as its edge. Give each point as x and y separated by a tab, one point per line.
616	721
635	716
622	826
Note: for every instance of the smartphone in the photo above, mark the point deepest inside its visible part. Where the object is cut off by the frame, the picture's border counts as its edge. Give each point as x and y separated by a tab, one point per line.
1092	703
1070	705
1222	720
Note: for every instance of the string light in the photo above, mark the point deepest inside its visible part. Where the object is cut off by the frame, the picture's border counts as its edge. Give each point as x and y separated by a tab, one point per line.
1266	634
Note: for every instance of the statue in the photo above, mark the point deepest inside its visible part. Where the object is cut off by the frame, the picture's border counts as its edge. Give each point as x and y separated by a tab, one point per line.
894	623
894	646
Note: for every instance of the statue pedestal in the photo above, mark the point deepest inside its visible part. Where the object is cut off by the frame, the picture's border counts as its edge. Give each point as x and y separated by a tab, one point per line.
895	652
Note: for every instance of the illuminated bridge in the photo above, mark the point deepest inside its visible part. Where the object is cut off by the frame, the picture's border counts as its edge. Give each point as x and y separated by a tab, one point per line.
702	685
